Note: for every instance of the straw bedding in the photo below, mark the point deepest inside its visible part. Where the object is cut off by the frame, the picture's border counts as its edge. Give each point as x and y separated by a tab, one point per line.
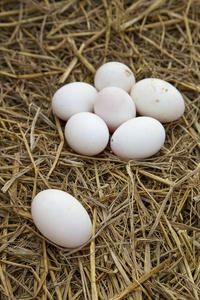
145	214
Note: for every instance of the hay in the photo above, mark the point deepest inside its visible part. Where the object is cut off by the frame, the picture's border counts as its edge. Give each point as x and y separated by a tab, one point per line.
146	234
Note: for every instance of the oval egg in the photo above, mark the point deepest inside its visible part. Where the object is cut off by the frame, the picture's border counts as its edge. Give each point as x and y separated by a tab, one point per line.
61	218
114	106
114	73
159	99
86	133
138	138
72	98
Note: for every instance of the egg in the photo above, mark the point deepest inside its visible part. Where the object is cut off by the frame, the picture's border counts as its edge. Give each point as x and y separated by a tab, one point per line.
86	133
72	98
159	99
114	74
114	106
138	138
61	218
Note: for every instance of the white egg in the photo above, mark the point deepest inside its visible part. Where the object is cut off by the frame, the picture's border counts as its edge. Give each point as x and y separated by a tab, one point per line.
72	98
159	99
138	138
61	218
114	106
86	133
114	74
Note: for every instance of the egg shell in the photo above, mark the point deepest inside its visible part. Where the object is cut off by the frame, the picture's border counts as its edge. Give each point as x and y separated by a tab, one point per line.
159	99
86	133
138	138
61	218
114	74
114	106
72	98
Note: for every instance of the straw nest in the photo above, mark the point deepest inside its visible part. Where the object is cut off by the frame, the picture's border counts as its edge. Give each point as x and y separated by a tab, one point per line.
145	214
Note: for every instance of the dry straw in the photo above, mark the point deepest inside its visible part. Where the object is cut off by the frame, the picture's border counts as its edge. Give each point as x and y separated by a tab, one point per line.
145	214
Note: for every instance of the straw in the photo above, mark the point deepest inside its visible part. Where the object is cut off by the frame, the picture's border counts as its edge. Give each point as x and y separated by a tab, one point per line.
145	241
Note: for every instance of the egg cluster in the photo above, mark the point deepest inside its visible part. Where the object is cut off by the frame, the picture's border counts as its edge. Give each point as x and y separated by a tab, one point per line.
93	113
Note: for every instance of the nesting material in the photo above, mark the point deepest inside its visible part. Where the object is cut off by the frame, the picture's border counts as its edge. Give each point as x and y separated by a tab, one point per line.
145	214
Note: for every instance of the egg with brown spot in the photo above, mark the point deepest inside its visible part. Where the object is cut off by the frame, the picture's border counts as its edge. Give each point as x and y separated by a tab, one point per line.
159	99
114	74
